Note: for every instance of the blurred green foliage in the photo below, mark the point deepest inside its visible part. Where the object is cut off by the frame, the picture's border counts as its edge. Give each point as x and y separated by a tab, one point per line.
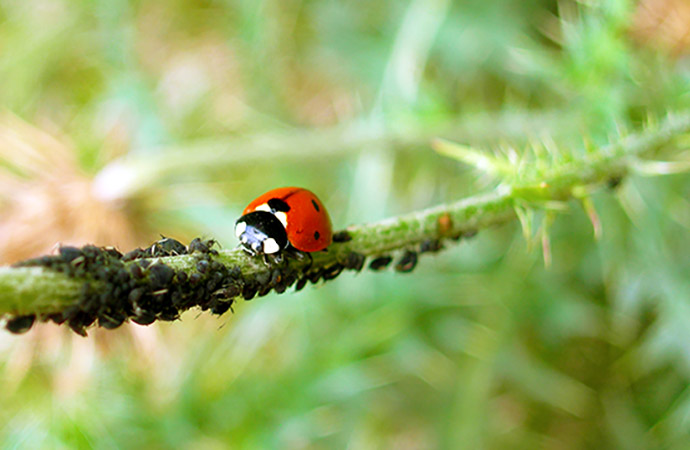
480	346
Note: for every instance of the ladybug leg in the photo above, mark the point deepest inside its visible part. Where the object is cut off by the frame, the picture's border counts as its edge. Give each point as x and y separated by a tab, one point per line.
272	259
277	258
299	255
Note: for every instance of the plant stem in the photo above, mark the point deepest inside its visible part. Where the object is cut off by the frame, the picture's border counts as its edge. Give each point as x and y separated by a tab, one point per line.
29	290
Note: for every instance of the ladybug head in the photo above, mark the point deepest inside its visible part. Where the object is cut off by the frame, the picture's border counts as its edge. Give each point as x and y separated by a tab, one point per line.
261	232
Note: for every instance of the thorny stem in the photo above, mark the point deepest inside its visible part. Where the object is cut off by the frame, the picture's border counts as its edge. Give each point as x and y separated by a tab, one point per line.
37	290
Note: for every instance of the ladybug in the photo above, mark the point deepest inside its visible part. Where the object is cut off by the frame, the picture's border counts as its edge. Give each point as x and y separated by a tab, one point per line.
283	218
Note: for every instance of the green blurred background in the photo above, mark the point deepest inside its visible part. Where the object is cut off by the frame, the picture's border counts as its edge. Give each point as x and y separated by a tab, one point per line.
124	120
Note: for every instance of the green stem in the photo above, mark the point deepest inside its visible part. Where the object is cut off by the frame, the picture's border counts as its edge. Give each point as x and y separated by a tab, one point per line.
27	290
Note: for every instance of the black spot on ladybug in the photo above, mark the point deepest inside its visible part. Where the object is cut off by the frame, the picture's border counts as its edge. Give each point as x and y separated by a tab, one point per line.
342	236
278	205
316	206
316	235
407	262
380	263
20	324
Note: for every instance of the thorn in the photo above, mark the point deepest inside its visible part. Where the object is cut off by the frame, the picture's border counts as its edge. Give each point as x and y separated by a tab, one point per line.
483	161
545	240
654	168
621	129
546	249
591	211
589	146
525	217
550	146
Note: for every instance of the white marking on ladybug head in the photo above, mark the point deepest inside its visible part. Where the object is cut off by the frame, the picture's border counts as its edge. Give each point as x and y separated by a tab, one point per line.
282	217
263	207
271	246
239	228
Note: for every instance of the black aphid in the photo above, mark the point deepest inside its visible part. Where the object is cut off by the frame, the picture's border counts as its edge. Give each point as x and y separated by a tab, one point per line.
20	324
167	247
354	261
342	236
431	245
380	263
407	262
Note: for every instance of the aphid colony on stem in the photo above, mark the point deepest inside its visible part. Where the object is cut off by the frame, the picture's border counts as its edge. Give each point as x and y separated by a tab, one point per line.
141	287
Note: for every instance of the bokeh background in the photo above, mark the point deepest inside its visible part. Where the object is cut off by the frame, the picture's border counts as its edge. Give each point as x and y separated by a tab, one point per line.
123	120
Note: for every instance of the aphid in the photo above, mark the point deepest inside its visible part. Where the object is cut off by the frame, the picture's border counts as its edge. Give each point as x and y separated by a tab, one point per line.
221	307
380	263
332	272
301	283
194	278
20	324
68	254
202	266
134	254
249	291
354	261
144	317
160	275
167	247
284	217
111	320
430	245
80	321
342	236
197	245
407	262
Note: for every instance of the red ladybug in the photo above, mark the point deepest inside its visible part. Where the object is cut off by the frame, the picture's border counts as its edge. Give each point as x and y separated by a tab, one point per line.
283	217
